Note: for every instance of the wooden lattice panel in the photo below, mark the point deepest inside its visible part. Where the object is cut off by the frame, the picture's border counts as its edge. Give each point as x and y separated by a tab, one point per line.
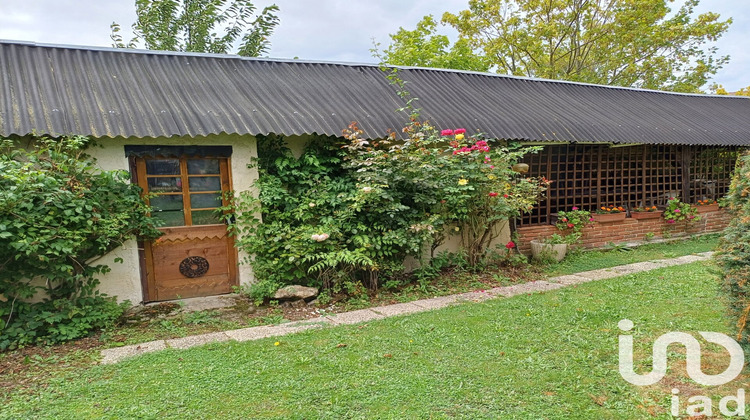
592	176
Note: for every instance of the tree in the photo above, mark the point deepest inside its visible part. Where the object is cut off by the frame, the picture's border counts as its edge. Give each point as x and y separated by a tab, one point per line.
718	89
423	47
192	25
639	43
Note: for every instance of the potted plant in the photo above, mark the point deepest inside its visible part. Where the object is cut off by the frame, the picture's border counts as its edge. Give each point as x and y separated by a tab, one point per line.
678	211
646	213
609	214
554	247
705	206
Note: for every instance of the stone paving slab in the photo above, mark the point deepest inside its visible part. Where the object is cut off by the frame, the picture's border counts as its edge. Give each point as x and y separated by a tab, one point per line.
116	354
531	287
569	279
256	333
197	340
476	296
686	259
398	309
354	317
601	274
437	302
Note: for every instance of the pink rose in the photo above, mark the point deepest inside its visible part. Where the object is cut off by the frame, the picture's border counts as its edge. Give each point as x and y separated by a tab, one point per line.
459	131
446	133
676	210
591	219
670	221
575	208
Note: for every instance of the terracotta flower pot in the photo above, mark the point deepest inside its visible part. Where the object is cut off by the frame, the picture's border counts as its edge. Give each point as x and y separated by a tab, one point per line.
646	214
708	208
608	217
556	251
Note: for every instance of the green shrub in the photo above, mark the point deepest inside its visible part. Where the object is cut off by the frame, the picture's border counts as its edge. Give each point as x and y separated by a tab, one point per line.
352	210
733	252
58	214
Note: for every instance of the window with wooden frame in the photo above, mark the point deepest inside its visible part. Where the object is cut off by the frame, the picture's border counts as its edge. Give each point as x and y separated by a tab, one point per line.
185	191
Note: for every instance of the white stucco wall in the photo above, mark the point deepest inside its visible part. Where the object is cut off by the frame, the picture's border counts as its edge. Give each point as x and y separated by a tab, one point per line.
124	281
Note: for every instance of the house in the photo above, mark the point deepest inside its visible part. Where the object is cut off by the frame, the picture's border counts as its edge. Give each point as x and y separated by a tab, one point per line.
185	126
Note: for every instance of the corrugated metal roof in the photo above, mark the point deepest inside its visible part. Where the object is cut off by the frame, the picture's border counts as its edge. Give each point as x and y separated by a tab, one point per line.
104	92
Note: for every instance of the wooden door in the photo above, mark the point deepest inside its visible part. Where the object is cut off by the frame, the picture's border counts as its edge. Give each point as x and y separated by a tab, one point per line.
195	256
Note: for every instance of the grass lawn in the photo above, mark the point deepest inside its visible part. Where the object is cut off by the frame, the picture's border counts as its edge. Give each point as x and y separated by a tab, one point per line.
593	260
551	355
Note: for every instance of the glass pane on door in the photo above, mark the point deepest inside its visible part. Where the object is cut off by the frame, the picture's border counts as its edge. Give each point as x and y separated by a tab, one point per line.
205	183
164	184
163	166
205	201
206	217
203	166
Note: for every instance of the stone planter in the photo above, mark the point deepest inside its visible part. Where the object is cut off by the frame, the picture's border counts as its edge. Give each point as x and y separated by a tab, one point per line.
646	214
608	217
708	208
556	251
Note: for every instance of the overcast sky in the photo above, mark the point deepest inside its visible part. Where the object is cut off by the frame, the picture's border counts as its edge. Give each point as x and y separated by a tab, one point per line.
331	30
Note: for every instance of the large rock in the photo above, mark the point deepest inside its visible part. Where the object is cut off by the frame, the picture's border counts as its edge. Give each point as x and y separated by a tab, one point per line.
295	292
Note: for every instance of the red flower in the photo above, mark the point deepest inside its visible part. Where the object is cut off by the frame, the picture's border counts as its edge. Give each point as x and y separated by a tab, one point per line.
570	225
510	245
446	133
459	131
493	194
505	195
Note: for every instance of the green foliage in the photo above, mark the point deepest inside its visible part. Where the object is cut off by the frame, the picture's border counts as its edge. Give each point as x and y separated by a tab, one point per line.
733	256
424	47
192	25
58	214
452	182
353	209
572	223
678	211
58	320
638	43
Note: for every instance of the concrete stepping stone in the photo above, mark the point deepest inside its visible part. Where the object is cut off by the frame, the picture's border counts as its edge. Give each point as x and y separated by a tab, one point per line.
354	317
116	354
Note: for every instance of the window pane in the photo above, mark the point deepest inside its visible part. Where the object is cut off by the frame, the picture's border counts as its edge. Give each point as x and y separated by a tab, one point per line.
205	183
206	217
204	201
163	166
162	185
171	218
203	166
166	203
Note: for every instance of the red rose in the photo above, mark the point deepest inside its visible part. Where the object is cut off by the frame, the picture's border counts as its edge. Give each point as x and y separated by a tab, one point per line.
493	194
505	195
446	133
510	245
459	131
570	225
